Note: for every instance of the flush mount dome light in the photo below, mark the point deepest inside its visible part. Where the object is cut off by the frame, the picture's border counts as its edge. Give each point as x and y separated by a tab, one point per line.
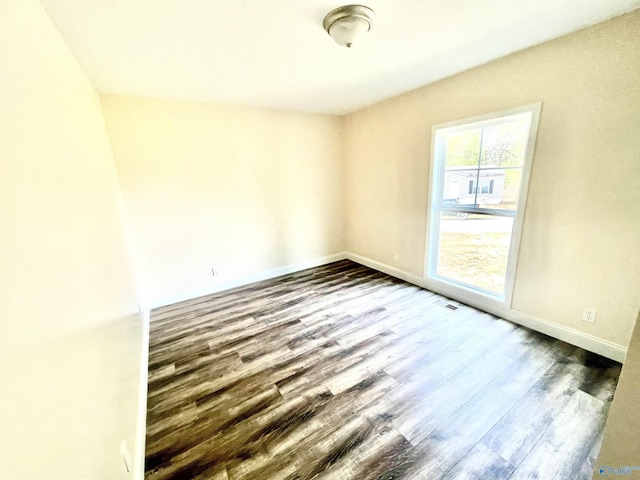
347	24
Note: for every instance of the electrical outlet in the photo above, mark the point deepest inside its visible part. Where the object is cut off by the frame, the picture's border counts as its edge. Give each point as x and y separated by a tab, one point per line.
395	256
589	315
214	271
126	456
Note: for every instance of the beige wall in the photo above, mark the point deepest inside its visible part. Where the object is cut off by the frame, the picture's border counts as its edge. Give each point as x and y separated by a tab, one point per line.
70	340
581	233
244	190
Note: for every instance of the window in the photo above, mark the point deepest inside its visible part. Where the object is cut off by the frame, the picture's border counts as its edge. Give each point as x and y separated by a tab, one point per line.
486	186
479	180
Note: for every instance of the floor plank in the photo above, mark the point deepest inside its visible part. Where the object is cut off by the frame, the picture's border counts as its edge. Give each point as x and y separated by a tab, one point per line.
561	451
342	372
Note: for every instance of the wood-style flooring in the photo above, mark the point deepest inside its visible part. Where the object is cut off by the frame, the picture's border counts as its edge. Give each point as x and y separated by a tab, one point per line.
341	372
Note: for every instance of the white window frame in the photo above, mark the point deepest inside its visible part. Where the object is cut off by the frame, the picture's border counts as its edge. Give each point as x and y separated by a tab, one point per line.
438	133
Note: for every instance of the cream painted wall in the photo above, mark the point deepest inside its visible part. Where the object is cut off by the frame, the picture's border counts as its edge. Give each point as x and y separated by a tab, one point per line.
245	190
70	338
581	234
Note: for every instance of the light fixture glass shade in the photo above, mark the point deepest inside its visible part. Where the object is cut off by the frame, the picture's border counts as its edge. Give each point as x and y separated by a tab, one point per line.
348	30
349	23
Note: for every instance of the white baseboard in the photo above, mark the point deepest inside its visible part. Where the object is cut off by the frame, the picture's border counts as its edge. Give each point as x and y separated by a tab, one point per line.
263	275
574	337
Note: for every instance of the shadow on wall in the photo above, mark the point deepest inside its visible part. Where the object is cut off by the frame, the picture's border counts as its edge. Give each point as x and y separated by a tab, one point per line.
82	388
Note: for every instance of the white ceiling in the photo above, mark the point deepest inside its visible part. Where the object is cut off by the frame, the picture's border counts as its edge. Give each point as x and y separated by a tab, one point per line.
275	53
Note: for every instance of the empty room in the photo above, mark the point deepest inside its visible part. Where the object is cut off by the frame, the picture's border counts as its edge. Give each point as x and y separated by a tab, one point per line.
260	240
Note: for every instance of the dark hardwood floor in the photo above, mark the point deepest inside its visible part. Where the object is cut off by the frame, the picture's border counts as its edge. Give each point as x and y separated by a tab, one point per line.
341	372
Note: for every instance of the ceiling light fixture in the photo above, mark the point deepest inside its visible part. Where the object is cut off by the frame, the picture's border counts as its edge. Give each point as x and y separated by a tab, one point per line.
347	24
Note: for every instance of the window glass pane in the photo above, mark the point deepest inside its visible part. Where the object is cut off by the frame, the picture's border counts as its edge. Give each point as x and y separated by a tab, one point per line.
463	148
512	182
504	145
474	250
486	185
498	189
